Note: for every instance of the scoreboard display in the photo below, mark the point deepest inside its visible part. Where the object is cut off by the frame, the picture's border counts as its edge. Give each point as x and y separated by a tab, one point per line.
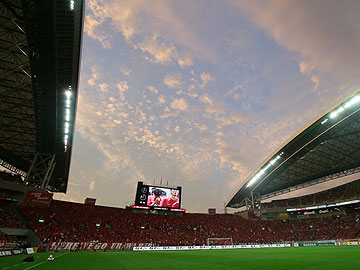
158	197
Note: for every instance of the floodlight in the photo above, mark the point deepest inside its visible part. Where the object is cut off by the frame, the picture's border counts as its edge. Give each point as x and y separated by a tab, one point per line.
333	114
72	4
352	101
252	181
68	93
272	162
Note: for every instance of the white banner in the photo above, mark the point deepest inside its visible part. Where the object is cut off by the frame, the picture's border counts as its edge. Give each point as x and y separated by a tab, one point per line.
350	243
210	247
59	246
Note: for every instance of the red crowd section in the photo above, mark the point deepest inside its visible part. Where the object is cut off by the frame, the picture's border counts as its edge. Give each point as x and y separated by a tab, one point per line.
9	219
7	238
73	222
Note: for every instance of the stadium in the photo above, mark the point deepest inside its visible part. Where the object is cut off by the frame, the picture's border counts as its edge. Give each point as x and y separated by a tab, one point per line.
40	69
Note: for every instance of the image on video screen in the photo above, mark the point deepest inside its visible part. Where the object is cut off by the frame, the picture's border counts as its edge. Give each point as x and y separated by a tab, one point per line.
163	197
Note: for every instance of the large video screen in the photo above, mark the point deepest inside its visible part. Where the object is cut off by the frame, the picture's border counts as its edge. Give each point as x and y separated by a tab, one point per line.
158	196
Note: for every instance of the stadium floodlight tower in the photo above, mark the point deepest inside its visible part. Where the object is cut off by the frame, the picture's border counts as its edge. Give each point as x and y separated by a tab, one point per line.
40	44
326	149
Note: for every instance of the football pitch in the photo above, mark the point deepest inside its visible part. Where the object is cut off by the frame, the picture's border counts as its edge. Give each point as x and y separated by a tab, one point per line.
327	258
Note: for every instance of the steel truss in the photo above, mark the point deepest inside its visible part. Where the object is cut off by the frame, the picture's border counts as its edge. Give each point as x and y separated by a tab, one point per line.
22	132
253	201
16	93
40	171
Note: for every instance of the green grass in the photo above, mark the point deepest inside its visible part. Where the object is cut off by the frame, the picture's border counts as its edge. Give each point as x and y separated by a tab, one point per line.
327	258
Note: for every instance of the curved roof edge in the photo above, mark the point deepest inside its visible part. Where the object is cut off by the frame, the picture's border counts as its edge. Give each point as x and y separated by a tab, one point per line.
326	121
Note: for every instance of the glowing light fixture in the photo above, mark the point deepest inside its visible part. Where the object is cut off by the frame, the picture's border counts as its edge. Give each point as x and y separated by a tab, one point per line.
333	114
72	4
352	101
264	169
68	94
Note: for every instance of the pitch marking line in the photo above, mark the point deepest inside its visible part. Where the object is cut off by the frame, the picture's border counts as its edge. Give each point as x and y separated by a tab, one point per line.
43	262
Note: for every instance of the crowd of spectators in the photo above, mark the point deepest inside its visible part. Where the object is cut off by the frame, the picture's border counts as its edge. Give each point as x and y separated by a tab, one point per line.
8	218
7	238
74	222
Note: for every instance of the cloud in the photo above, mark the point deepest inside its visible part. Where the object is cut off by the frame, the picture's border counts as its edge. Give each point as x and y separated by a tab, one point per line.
161	99
143	23
173	81
94	76
162	52
185	61
92	185
217	107
179	104
206	99
91	26
104	87
316	81
206	78
231	156
232	118
322	32
122	14
123	87
125	71
153	89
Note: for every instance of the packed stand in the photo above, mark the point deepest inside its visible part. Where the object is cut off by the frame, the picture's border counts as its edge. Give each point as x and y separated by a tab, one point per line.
9	219
7	238
73	222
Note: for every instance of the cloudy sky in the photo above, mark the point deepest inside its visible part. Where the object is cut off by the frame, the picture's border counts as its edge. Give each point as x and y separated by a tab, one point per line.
199	93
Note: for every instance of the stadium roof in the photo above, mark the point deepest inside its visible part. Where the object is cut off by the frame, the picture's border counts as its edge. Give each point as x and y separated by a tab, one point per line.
39	66
327	149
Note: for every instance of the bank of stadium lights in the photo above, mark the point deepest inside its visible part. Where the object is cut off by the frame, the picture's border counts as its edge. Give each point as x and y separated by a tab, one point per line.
72	4
338	111
68	95
264	169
